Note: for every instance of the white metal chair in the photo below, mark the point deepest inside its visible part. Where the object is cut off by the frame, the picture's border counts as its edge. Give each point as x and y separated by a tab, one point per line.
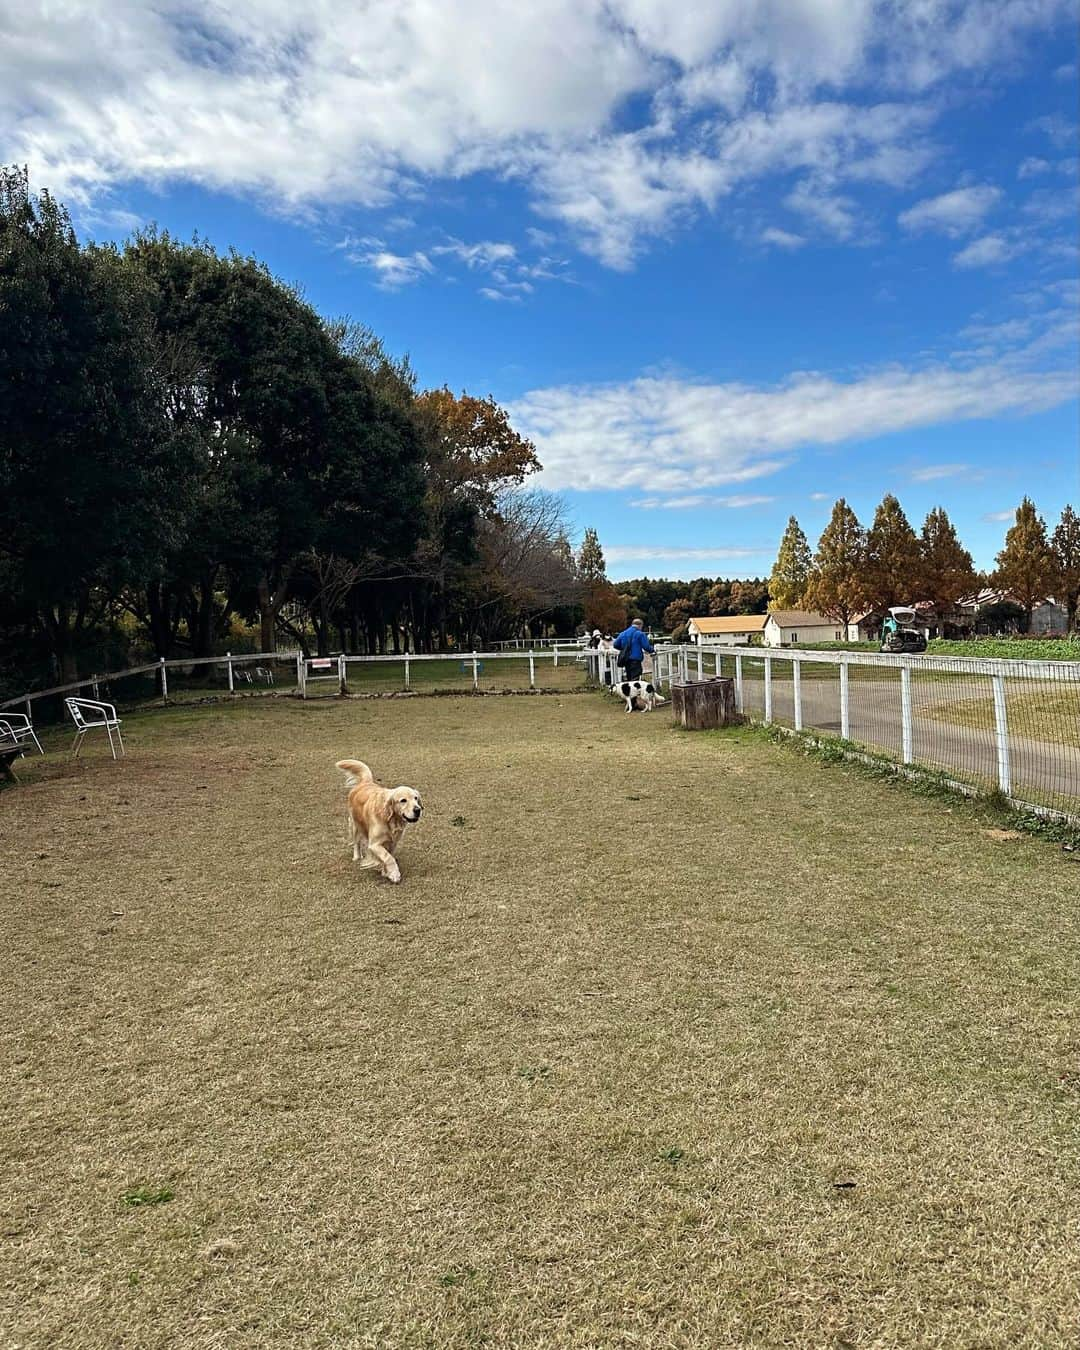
19	728
88	713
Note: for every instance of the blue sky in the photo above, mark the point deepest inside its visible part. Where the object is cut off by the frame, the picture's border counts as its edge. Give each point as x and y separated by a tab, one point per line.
723	265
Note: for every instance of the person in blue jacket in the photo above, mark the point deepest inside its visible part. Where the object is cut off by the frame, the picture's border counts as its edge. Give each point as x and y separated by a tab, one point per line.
633	643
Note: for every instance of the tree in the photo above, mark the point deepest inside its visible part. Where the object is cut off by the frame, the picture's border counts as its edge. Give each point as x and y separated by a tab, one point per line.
590	560
91	470
790	575
947	573
300	449
677	615
893	562
1066	548
837	586
1026	566
749	597
604	608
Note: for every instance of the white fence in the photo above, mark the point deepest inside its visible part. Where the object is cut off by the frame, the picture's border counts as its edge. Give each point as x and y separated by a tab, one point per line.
1005	724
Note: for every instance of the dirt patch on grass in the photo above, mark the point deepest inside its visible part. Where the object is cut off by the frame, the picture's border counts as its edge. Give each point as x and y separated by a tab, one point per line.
664	1040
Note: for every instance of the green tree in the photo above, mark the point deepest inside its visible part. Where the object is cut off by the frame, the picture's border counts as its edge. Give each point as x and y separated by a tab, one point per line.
947	573
1065	544
790	575
1026	566
677	615
301	452
590	560
893	568
91	468
837	586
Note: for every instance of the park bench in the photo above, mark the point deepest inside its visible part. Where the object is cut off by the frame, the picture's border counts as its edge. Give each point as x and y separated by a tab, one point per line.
88	714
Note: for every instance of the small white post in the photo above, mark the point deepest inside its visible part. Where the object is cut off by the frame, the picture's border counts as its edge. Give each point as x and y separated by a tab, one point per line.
301	674
796	680
532	669
1001	735
768	689
555	649
738	684
845	720
700	657
716	663
406	670
343	687
228	662
905	714
29	710
475	672
164	683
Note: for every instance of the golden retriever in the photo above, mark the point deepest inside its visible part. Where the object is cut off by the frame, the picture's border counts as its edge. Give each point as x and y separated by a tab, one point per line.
377	817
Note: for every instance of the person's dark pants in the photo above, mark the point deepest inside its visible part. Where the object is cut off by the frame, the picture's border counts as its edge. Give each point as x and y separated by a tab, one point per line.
632	670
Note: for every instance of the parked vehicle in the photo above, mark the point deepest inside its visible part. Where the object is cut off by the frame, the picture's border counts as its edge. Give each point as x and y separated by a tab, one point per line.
895	636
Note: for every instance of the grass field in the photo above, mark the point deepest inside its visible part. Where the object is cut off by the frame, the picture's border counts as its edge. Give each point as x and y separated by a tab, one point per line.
1028	649
1039	712
664	1040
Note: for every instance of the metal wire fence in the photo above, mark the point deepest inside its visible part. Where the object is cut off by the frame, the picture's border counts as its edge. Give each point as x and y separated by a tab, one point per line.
1007	725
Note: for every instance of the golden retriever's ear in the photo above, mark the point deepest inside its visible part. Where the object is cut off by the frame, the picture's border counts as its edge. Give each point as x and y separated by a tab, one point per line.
388	809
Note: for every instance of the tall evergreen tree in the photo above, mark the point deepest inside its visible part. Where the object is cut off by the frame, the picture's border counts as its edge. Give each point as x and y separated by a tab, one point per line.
947	571
1025	566
1066	548
790	575
893	571
837	585
590	560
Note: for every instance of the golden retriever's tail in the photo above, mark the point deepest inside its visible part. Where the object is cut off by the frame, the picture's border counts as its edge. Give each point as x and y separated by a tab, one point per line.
356	771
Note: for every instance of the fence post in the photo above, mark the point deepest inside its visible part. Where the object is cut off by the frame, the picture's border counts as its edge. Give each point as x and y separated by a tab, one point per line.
716	659
228	662
475	672
343	687
738	684
29	710
768	689
905	714
164	683
700	657
1001	735
532	669
796	682
406	670
845	720
301	672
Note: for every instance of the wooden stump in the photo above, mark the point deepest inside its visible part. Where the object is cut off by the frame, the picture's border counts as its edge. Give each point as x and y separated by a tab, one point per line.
700	705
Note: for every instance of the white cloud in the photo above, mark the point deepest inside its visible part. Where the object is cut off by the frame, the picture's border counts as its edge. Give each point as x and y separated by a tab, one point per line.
676	437
993	517
619	553
394	269
988	251
695	502
953	213
485	254
1032	167
782	238
820	496
832	213
311	106
933	472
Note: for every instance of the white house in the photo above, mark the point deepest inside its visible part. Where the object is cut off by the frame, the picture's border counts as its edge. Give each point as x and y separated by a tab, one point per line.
729	630
786	627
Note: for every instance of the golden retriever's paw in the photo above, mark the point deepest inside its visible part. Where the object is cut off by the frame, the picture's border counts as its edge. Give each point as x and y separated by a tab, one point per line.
394	876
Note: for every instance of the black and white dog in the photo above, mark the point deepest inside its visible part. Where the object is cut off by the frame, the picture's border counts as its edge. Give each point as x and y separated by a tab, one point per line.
635	690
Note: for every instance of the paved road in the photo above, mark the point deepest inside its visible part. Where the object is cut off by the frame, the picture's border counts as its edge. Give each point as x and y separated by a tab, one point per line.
1046	772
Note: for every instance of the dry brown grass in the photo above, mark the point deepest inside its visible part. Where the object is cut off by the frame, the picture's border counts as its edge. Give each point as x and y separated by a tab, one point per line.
598	1073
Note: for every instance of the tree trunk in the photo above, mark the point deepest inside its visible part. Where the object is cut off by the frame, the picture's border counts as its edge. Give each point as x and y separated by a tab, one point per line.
702	705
